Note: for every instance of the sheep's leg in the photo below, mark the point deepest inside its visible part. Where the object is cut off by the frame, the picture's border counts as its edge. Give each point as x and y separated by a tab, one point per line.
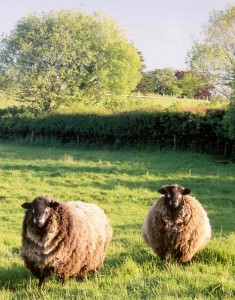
42	280
63	279
165	256
80	277
178	255
183	257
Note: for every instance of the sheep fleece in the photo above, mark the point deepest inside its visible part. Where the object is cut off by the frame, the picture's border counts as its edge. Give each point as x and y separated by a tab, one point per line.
72	244
178	234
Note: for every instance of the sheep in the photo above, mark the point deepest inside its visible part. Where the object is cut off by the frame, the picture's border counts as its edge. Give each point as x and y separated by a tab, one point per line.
68	239
176	226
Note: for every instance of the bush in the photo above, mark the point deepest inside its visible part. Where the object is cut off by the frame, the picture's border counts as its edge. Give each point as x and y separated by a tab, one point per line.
181	130
229	121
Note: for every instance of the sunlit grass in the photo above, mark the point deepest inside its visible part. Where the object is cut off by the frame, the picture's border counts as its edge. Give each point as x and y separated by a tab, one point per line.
119	104
110	104
124	183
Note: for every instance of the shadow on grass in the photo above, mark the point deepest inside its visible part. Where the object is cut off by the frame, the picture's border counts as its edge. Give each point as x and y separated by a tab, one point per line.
138	251
14	277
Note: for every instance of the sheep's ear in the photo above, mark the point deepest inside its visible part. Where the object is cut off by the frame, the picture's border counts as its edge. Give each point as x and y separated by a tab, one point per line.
162	191
53	204
186	191
26	205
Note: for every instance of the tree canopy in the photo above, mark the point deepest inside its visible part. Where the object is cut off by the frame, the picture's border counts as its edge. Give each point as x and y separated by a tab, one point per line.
214	56
194	85
55	58
165	82
178	83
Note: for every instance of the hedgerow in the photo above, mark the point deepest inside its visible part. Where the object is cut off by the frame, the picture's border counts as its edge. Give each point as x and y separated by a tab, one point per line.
181	130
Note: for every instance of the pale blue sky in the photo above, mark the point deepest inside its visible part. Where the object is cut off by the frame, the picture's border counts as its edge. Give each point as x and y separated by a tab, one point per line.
162	30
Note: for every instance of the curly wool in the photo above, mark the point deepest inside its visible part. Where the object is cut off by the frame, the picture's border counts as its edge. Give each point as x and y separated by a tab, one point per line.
177	234
71	244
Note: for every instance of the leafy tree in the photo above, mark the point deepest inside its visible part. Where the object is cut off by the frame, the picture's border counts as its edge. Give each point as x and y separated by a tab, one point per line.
194	85
215	55
161	81
179	74
143	66
53	59
146	85
178	83
165	82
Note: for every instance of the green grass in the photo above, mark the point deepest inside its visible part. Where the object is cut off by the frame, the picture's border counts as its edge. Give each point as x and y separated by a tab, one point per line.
124	183
117	104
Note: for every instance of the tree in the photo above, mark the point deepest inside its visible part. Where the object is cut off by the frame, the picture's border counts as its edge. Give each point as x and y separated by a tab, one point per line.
56	58
161	81
165	82
178	83
215	56
194	85
146	85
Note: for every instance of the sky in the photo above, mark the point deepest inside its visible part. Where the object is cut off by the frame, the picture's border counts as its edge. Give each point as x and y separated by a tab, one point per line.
163	30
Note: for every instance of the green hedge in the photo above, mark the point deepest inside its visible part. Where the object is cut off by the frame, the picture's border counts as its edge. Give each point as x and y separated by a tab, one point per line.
162	129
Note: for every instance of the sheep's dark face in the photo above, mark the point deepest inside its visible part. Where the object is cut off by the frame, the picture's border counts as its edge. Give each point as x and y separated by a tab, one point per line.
174	194
41	208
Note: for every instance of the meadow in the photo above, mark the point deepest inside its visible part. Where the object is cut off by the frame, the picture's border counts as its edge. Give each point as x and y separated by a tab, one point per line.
124	183
135	102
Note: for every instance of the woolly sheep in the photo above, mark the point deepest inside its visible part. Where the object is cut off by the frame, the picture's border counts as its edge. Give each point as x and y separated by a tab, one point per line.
69	239
176	225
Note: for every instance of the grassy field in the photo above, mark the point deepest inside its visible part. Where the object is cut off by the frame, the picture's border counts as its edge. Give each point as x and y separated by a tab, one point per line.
124	184
116	104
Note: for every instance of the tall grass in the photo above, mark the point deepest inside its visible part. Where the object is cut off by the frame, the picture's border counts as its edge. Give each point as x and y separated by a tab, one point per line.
124	184
116	104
